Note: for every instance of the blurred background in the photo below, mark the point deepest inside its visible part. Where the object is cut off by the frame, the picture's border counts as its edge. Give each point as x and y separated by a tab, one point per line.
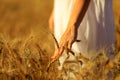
21	18
116	7
18	18
26	45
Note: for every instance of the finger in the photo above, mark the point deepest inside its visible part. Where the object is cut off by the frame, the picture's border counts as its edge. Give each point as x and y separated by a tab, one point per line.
55	53
69	48
59	50
58	54
70	44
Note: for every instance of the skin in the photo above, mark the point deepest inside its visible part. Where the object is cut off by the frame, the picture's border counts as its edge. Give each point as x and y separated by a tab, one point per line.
51	21
70	33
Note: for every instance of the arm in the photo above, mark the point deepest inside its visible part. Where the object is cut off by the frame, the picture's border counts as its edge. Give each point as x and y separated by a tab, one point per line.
51	21
70	33
77	9
78	12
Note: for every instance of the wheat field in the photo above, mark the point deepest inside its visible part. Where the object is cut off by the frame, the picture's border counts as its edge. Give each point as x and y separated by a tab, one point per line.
26	44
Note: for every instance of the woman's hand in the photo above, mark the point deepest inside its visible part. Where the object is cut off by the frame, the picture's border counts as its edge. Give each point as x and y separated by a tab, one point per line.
70	34
51	21
66	42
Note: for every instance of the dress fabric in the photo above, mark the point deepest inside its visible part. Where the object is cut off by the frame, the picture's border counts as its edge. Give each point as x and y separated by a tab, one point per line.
96	31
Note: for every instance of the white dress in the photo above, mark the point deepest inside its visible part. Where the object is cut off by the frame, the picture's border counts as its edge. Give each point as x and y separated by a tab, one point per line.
96	31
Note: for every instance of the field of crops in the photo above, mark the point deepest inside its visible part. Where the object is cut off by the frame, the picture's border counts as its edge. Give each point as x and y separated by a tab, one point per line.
26	44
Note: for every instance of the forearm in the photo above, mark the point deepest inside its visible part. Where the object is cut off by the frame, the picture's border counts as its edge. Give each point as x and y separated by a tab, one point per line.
78	11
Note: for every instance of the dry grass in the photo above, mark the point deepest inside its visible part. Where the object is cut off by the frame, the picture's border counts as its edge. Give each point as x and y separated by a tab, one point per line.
25	60
26	44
